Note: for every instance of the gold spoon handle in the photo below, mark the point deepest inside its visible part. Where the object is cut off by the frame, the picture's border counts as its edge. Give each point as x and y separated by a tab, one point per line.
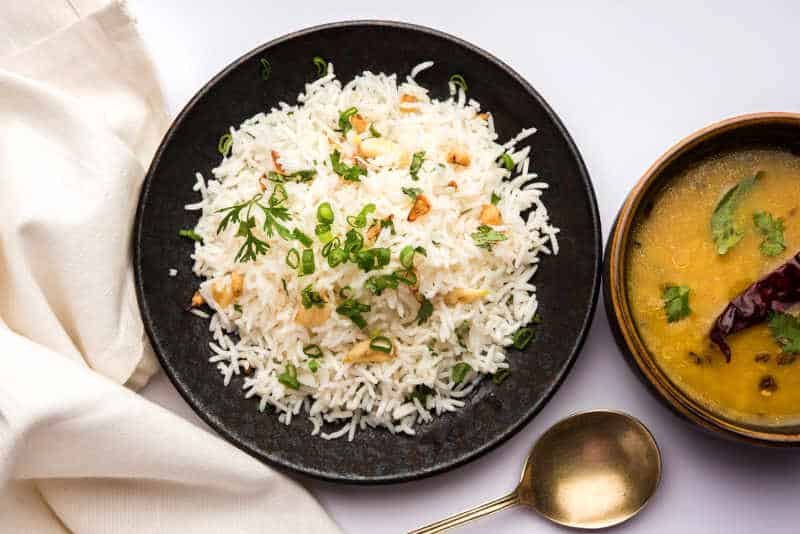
479	511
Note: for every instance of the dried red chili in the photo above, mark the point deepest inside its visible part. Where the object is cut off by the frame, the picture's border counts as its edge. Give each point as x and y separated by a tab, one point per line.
776	292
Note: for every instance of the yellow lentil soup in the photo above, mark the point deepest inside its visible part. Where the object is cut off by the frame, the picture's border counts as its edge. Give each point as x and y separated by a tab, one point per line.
672	246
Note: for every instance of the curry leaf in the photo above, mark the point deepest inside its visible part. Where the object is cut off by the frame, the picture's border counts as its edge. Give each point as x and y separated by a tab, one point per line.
723	230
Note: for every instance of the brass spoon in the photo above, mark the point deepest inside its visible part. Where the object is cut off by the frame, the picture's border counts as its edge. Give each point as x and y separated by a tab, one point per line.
590	470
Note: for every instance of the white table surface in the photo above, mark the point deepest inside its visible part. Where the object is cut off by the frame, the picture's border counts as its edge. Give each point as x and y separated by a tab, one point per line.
628	79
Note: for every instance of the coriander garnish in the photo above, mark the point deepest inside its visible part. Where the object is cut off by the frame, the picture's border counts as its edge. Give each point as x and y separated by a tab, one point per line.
772	230
253	246
786	331
723	230
676	302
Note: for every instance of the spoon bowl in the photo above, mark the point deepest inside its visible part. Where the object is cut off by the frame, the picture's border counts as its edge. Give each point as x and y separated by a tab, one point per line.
591	470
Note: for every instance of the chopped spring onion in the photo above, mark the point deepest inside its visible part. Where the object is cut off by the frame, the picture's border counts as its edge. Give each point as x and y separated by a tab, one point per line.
425	311
388	223
495	199
224	144
190	234
289	377
307	262
377	284
408	277
344	119
237	308
325	213
336	257
330	245
522	337
350	173
407	255
312	351
320	64
500	376
346	292
313	366
459	372
360	220
459	81
412	192
266	69
293	258
303	238
373	258
416	164
381	344
373	132
353	310
486	237
353	243
507	162
323	232
309	298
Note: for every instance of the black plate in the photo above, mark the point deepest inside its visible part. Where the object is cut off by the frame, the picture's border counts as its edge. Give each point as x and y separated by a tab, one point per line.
568	283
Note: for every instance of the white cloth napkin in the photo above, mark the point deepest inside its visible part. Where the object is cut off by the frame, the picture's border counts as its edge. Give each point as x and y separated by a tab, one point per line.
80	116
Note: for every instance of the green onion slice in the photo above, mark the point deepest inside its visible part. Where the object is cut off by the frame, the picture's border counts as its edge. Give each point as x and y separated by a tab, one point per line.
307	263
330	245
312	351
293	258
381	344
500	376
346	292
360	220
224	144
190	234
336	257
320	64
344	119
459	81
325	213
459	372
289	377
266	69
522	337
507	162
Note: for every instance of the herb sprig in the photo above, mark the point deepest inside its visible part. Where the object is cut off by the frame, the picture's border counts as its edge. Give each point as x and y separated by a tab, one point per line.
350	173
772	230
242	214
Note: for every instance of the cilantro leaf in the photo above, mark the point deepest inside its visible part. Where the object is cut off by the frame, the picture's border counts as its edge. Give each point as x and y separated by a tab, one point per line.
723	230
772	230
676	302
353	310
786	331
254	246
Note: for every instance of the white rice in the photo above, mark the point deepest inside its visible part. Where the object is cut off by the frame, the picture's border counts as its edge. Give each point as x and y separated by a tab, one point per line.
257	336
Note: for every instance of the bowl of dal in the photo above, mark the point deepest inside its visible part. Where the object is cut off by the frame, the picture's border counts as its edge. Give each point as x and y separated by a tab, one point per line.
702	278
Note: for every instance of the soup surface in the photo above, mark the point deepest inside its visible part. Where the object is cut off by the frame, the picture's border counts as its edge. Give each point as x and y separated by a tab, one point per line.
673	246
